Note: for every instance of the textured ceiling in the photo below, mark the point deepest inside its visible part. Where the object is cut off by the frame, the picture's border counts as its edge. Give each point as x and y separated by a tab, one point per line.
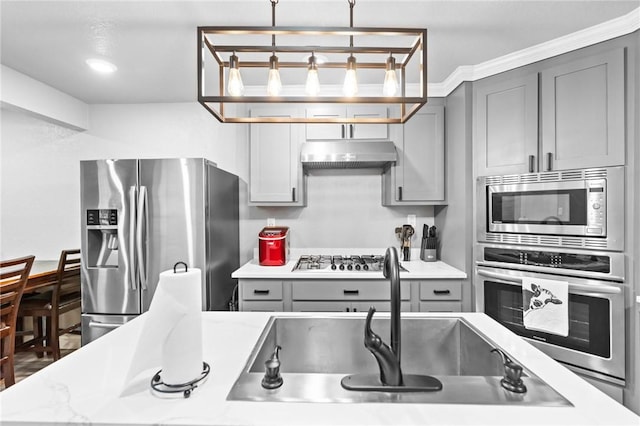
154	43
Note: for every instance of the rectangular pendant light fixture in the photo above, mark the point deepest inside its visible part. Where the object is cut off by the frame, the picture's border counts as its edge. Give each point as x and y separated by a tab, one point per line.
243	67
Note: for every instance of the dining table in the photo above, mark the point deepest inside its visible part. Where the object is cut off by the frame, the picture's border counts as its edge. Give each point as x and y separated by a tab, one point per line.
42	275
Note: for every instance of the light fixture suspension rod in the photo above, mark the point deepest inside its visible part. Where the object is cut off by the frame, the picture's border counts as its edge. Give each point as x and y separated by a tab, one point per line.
352	3
273	22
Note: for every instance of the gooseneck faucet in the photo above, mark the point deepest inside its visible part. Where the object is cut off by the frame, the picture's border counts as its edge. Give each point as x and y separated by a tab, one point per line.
390	378
391	271
388	358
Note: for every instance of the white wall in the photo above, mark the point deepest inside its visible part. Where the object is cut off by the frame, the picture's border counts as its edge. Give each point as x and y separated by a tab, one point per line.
40	171
40	180
344	210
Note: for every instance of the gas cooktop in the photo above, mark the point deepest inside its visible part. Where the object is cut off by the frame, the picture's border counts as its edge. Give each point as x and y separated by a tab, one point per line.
356	263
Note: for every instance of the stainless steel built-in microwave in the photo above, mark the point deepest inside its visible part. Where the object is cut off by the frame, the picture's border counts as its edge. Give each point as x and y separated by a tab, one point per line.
576	208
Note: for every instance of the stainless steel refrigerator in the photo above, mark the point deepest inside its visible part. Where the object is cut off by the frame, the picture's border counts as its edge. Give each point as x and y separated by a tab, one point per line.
142	216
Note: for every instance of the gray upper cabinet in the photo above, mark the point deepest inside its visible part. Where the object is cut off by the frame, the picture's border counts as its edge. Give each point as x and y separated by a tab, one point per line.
276	177
506	135
582	104
581	122
417	178
328	131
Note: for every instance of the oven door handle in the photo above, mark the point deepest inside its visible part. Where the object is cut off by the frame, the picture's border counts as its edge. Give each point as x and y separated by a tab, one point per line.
601	288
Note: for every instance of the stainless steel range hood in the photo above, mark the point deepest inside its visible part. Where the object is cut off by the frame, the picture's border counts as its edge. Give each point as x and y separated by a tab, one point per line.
348	154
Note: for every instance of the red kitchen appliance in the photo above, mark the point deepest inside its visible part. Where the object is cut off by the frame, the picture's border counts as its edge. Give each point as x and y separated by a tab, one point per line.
273	246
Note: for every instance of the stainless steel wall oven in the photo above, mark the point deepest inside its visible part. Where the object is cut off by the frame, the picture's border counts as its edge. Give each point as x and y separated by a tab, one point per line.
595	344
581	208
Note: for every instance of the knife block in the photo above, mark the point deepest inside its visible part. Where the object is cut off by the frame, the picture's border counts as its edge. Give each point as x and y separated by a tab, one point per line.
429	249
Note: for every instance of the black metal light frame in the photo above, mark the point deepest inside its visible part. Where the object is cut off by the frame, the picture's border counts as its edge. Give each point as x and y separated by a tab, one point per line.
408	105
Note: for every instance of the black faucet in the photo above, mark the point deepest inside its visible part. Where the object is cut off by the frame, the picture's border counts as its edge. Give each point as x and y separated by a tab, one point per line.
388	358
390	378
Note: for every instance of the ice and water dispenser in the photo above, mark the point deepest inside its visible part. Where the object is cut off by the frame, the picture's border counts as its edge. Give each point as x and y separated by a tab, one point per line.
102	238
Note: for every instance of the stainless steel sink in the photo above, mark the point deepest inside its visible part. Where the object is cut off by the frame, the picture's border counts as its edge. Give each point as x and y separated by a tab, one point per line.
318	351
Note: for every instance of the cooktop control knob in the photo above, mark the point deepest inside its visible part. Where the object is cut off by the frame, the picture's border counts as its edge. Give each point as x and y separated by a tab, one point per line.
350	267
365	267
333	266
341	267
357	267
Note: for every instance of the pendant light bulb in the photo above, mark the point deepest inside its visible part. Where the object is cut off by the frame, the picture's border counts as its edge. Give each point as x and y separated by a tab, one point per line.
274	85
350	87
235	86
313	82
390	86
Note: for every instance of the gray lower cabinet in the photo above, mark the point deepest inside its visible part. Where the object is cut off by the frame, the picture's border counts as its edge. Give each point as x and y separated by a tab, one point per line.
275	173
581	122
440	296
417	178
261	295
347	295
345	306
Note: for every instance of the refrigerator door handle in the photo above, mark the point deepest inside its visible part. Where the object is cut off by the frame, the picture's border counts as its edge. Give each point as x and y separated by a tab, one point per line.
96	324
141	223
132	238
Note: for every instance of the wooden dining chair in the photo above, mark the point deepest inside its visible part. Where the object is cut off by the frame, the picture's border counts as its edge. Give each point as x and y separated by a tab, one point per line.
13	277
49	306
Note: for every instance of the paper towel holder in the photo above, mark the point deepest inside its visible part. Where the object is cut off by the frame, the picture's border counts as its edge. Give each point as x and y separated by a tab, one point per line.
184	388
175	267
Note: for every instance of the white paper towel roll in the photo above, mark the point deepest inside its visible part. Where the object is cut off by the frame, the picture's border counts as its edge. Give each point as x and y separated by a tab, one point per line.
171	338
182	348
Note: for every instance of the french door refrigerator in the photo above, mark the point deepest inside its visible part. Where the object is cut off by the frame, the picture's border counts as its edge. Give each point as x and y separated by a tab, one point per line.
142	216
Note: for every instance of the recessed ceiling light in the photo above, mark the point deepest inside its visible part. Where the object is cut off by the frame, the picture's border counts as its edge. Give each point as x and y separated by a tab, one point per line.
101	66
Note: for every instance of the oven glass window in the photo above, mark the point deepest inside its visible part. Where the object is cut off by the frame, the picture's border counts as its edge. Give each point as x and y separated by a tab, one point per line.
563	207
589	319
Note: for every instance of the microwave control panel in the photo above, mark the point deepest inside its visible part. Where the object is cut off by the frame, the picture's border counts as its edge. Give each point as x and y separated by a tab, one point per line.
596	207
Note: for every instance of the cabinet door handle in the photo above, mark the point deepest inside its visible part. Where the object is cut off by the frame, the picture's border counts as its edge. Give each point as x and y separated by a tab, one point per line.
549	160
293	194
351	292
344	131
351	130
261	292
399	193
532	160
441	292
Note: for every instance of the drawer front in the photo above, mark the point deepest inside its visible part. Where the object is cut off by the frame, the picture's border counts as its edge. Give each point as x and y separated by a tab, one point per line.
444	306
440	290
260	290
381	306
261	306
346	290
345	306
320	306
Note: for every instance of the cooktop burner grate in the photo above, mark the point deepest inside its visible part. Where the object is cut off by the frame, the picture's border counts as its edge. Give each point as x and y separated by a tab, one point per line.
356	263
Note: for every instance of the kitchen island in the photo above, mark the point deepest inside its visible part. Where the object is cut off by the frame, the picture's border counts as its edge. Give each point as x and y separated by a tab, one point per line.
85	387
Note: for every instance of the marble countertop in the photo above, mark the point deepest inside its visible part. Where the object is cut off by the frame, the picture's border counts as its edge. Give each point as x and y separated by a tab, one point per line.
417	269
85	386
